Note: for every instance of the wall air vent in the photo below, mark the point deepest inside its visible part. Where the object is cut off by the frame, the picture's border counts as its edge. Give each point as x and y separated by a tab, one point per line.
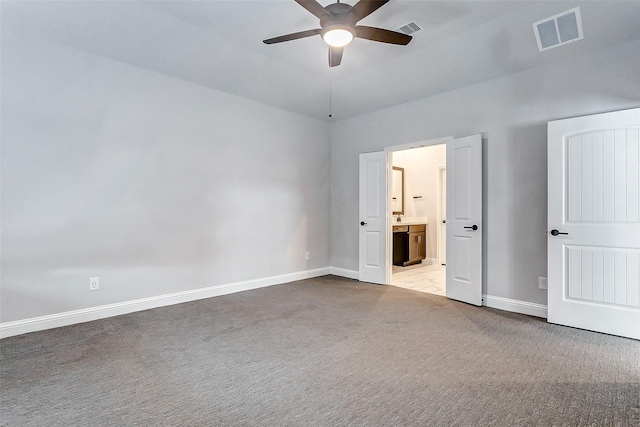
410	28
563	28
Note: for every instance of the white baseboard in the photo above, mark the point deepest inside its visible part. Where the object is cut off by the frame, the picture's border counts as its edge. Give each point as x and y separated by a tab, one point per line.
516	306
430	261
9	329
343	272
507	304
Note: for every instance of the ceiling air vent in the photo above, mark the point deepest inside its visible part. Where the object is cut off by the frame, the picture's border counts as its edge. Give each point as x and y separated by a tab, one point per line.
410	28
563	28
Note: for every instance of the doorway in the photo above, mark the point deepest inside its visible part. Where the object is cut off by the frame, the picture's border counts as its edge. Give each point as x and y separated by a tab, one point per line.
418	245
465	228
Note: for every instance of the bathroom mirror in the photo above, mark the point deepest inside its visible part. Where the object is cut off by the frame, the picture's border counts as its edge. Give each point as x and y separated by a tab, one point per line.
397	192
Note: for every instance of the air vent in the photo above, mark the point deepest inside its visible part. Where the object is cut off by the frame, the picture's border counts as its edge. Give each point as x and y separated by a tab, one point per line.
410	28
563	28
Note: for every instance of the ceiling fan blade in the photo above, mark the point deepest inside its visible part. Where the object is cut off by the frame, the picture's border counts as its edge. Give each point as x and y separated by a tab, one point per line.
293	36
335	56
382	35
314	7
366	7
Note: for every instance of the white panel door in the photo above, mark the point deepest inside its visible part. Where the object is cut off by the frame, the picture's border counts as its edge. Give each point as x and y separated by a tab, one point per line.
594	222
373	218
464	219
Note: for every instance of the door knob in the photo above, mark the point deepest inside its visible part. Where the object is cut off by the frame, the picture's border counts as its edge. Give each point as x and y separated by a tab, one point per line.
473	227
555	232
444	221
363	223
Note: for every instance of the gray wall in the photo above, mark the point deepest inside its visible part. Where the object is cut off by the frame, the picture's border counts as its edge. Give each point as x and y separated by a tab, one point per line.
157	185
151	183
512	114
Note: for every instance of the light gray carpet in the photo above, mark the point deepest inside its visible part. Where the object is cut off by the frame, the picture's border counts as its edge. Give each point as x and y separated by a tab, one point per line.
320	352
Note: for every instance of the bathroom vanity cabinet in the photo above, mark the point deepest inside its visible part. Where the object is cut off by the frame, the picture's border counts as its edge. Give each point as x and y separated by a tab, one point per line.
409	244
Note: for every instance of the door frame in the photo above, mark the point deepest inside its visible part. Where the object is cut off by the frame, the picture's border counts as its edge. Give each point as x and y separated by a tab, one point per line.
436	141
439	236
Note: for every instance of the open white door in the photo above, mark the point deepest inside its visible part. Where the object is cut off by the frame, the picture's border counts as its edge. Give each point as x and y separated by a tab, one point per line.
594	223
373	217
464	219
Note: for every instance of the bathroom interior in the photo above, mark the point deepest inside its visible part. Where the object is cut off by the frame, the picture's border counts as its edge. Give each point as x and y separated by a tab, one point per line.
418	224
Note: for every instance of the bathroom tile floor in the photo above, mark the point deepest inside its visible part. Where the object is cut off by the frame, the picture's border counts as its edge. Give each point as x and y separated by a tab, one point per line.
420	277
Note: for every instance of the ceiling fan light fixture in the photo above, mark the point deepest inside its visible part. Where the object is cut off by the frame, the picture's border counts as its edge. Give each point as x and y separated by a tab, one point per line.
338	26
338	36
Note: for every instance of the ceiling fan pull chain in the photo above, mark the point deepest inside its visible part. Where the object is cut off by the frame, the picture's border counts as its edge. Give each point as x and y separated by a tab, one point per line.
330	103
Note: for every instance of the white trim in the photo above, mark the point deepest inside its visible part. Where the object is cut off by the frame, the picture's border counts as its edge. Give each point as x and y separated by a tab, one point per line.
343	272
516	306
388	228
9	329
419	144
439	237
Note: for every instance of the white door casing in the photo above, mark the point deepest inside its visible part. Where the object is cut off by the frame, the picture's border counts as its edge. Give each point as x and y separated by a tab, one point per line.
593	196
373	266
442	215
464	219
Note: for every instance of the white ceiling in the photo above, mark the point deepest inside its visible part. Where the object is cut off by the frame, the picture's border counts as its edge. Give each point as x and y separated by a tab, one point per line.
218	44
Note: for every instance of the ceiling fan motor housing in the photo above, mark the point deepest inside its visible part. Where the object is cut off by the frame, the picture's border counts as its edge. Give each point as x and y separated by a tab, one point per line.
338	18
338	14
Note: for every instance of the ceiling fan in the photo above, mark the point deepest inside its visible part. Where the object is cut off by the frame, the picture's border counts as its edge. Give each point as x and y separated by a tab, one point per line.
338	26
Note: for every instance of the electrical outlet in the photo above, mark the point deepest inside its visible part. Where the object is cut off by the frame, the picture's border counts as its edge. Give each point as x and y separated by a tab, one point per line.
94	283
542	282
308	256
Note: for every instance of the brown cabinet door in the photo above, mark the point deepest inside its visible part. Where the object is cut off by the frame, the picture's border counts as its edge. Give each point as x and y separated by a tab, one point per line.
417	246
413	247
409	248
422	245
